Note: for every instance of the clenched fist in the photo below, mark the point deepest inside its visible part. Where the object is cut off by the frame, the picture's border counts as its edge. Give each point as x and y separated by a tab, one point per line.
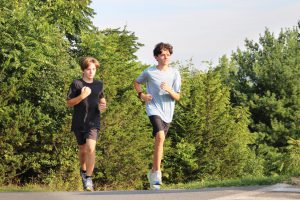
85	92
165	87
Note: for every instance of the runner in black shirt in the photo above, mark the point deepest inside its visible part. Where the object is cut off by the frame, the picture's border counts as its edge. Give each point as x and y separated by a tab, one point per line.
87	98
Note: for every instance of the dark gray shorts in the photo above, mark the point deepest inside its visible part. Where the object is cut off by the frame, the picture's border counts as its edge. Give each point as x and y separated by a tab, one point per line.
81	136
158	125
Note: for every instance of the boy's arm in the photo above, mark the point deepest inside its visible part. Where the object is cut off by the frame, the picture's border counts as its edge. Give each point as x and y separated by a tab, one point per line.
137	87
74	101
85	91
145	97
172	93
102	104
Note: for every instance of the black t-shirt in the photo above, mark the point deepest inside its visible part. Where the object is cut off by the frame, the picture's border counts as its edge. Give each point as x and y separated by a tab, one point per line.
86	114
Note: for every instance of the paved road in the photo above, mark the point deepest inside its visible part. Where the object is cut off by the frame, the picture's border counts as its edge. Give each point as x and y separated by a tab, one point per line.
275	192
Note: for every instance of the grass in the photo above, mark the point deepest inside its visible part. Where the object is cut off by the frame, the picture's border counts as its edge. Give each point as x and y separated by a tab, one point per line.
247	181
26	188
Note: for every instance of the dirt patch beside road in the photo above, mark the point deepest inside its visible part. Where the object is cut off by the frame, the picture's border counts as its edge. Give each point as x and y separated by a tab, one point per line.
295	180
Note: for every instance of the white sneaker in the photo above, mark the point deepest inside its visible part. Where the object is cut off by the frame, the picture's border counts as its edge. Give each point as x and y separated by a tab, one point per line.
89	184
155	180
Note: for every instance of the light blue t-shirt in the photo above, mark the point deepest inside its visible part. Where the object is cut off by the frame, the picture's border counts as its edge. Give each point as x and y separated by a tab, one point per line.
162	103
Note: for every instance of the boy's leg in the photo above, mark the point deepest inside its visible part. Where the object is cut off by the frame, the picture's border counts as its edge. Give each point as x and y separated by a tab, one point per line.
80	138
90	156
160	130
82	156
154	175
82	160
90	163
158	150
87	145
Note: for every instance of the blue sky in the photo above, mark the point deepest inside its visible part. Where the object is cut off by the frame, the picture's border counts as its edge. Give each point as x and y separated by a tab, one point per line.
201	30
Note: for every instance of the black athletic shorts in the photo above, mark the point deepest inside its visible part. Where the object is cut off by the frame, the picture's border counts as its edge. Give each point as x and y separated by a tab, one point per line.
81	136
158	125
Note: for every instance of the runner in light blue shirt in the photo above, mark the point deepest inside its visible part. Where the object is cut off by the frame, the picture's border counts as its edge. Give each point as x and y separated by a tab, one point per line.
163	89
162	104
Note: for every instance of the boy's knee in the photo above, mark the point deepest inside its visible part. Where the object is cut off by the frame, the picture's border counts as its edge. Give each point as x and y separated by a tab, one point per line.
90	146
90	149
160	136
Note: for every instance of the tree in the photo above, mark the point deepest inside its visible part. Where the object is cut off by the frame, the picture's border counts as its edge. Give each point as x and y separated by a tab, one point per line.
266	79
35	73
211	133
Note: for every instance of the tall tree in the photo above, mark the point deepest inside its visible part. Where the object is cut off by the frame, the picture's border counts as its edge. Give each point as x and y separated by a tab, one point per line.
214	134
266	79
34	61
268	74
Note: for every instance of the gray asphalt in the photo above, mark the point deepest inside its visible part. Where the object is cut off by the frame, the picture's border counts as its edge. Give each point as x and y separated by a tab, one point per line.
274	192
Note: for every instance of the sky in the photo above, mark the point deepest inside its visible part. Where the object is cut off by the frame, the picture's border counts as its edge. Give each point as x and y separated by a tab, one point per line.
201	30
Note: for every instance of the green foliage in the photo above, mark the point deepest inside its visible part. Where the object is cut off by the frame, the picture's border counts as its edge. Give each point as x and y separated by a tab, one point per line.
265	78
71	17
292	157
211	137
269	75
34	61
224	150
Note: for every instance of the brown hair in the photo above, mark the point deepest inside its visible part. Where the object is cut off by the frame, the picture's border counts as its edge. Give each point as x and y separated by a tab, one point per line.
86	61
162	46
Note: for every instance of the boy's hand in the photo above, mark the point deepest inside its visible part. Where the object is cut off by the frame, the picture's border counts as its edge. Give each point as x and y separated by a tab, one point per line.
102	105
165	87
85	92
146	97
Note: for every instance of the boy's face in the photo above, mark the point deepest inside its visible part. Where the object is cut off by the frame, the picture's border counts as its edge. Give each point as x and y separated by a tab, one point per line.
90	72
164	57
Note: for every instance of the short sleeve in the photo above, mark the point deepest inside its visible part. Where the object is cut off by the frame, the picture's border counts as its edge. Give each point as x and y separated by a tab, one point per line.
75	89
143	77
101	93
72	91
177	82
